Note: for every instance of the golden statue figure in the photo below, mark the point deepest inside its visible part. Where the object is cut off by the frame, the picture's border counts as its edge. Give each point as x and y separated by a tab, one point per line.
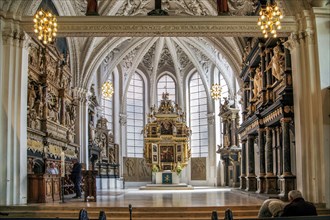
257	82
276	63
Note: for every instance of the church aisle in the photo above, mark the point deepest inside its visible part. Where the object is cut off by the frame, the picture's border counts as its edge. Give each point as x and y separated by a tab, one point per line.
200	196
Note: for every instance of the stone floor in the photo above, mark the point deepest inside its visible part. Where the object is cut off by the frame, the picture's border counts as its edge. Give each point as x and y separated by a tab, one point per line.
199	196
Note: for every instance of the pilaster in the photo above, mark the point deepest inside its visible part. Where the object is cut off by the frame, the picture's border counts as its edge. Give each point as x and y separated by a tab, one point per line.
243	171
251	180
287	179
81	128
13	114
123	123
307	111
262	175
212	144
271	179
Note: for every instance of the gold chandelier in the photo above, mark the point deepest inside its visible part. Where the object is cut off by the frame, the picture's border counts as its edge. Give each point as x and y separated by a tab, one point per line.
269	20
216	91
45	25
107	90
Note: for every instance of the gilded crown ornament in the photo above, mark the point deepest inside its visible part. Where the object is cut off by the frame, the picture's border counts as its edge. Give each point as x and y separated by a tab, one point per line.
45	25
269	20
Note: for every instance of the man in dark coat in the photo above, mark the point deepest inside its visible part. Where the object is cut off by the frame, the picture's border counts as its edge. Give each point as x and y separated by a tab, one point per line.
298	206
76	177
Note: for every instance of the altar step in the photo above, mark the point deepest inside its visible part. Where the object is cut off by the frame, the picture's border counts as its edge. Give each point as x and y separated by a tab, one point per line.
179	186
139	213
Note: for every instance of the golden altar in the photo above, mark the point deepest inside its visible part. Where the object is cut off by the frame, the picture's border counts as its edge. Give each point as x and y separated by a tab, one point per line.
166	137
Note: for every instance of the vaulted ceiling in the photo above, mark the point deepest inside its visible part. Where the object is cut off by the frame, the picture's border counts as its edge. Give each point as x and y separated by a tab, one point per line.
153	55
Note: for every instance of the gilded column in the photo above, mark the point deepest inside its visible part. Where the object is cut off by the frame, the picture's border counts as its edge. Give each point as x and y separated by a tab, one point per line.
271	179
261	178
251	181
243	166
287	179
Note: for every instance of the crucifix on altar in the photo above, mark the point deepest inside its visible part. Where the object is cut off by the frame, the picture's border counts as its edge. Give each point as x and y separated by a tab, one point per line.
158	9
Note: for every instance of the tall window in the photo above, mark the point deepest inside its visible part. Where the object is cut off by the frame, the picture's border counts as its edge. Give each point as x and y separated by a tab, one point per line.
198	117
224	87
107	107
166	83
135	120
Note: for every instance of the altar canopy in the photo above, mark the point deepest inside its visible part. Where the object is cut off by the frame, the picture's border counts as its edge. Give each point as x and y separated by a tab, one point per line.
166	137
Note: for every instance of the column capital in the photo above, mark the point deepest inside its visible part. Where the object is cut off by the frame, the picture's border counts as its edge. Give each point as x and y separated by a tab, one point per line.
210	118
267	50
80	94
262	54
310	35
262	129
122	119
25	40
12	33
292	42
2	24
285	120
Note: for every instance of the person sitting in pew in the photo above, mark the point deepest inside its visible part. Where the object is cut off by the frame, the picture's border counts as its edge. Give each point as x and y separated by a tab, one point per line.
298	206
277	208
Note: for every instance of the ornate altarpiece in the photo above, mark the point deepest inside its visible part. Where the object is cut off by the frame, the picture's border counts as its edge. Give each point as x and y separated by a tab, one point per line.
166	137
51	120
229	150
268	118
104	153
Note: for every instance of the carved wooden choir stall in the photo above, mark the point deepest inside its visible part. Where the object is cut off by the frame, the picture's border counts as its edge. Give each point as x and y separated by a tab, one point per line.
166	138
51	121
267	126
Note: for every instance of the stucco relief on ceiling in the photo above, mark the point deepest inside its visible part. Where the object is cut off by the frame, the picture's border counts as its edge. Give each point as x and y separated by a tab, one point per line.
166	58
183	58
128	61
148	58
203	60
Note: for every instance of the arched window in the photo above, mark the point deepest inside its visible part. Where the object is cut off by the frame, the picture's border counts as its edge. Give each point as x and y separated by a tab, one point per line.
135	116
224	87
107	107
166	84
198	117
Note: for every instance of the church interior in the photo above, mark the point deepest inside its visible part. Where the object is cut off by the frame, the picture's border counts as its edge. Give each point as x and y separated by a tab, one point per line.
186	103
